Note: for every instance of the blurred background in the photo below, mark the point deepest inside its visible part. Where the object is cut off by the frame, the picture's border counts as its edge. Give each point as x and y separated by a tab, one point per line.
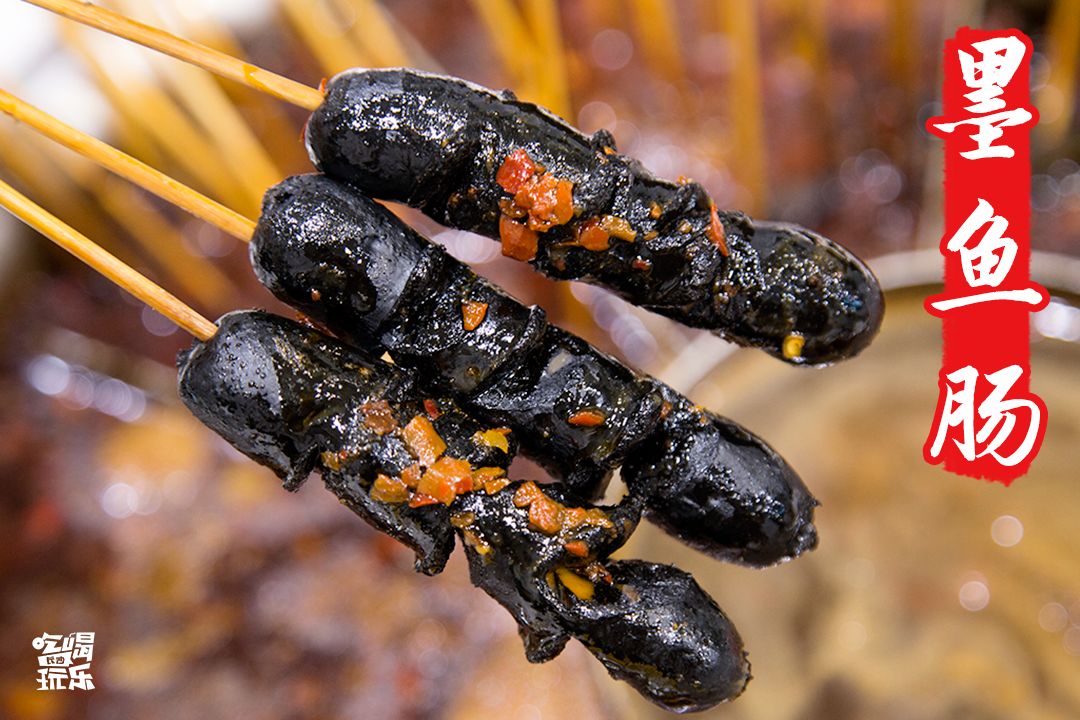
214	593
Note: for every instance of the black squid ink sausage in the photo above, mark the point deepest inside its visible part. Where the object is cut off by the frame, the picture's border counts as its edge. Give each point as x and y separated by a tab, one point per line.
292	399
439	143
349	263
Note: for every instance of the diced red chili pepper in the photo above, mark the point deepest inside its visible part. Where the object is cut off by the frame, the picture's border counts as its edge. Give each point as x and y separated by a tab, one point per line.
411	475
420	500
578	548
545	515
518	241
587	418
389	489
472	314
716	231
526	494
422	439
591	236
379	416
431	408
517	168
618	227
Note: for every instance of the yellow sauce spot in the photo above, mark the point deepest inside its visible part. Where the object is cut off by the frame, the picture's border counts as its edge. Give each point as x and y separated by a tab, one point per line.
792	346
582	588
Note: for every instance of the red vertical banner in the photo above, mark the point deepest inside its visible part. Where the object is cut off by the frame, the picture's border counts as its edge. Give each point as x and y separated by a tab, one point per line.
988	424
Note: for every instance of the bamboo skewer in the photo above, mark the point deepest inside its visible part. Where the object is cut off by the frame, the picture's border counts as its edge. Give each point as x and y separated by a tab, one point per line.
152	110
129	168
105	263
207	58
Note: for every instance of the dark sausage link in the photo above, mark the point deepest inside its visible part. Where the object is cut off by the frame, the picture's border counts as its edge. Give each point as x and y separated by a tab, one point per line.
486	162
577	411
295	400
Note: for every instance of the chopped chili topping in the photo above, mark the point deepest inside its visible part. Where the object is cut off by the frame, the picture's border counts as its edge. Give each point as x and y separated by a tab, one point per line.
495	437
549	201
423	441
542	198
574	518
378	416
716	231
446	479
516	169
526	494
472	314
591	236
508	208
587	418
618	227
545	515
492	479
333	460
420	500
577	548
494	485
518	241
389	489
641	264
579	586
411	475
552	517
316	296
431	408
655	211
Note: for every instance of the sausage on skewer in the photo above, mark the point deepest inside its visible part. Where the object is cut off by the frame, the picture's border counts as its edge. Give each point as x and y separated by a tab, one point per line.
346	261
295	400
576	209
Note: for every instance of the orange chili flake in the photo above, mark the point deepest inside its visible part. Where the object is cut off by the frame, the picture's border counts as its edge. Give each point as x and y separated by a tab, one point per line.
618	227
545	515
472	314
316	296
411	475
420	500
431	408
445	479
655	211
389	489
510	209
333	460
591	236
716	231
587	418
378	416
494	485
516	169
423	441
518	241
577	548
549	201
641	264
526	494
492	479
495	437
